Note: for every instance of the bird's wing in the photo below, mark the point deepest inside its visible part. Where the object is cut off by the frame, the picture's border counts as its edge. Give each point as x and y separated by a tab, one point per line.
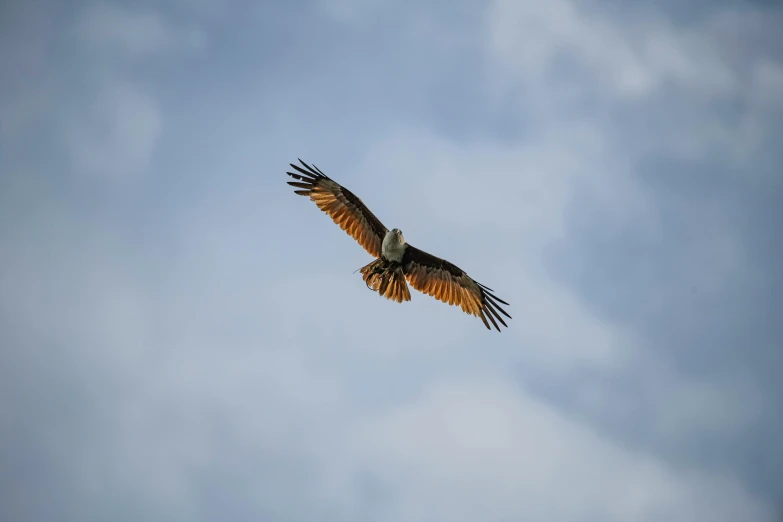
449	283
342	205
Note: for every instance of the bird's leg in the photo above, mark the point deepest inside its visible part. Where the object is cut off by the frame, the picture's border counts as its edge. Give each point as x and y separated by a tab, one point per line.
378	268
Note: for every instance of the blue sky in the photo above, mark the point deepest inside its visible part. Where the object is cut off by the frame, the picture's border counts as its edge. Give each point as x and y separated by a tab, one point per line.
182	337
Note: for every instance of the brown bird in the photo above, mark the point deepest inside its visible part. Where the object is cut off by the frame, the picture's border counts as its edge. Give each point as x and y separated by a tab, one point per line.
396	260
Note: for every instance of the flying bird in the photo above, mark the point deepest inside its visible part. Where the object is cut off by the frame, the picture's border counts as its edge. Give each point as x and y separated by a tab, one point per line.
396	260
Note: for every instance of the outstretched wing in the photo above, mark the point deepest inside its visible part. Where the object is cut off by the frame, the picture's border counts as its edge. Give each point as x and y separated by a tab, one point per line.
449	283
342	205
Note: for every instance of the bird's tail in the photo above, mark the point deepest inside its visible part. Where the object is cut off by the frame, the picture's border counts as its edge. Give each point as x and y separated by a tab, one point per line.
387	279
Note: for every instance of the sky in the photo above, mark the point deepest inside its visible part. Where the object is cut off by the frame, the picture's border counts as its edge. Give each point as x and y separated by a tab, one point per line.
182	338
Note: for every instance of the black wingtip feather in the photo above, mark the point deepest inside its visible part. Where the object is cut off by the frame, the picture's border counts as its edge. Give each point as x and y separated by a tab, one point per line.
500	300
496	298
308	178
315	172
489	314
296	184
492	299
484	319
320	172
488	290
311	175
485	287
492	309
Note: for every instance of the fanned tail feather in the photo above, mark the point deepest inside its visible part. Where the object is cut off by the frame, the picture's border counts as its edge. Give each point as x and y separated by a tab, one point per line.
389	281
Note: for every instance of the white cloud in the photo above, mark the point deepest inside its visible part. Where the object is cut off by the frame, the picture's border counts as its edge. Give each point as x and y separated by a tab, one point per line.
116	136
481	450
116	132
632	60
556	59
173	397
526	187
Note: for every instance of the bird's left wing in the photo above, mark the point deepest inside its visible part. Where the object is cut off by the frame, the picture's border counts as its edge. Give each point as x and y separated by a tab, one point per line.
449	283
341	205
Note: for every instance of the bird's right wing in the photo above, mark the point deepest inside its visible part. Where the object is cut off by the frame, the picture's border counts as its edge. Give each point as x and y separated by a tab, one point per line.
341	205
449	283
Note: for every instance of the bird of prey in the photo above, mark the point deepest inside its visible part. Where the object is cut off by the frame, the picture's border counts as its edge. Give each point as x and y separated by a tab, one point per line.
396	260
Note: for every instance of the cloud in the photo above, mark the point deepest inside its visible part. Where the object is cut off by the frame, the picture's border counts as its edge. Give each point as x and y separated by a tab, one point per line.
768	82
196	346
186	415
105	118
681	79
567	349
348	10
507	224
137	32
117	136
115	132
24	39
631	58
503	454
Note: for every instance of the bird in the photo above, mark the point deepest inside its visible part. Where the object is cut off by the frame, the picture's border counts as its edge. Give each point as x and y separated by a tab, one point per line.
396	261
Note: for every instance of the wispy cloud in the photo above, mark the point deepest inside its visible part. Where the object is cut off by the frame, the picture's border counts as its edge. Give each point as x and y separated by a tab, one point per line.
134	31
117	135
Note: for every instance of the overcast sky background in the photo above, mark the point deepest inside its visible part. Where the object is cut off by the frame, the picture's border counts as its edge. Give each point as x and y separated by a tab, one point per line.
182	337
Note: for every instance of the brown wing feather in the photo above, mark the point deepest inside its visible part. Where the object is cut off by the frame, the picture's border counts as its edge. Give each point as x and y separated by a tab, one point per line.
449	283
345	209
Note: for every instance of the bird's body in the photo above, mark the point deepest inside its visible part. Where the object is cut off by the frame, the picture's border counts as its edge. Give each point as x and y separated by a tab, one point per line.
386	274
396	262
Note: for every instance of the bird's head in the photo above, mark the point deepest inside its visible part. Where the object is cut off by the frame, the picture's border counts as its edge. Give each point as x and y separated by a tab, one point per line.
399	235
